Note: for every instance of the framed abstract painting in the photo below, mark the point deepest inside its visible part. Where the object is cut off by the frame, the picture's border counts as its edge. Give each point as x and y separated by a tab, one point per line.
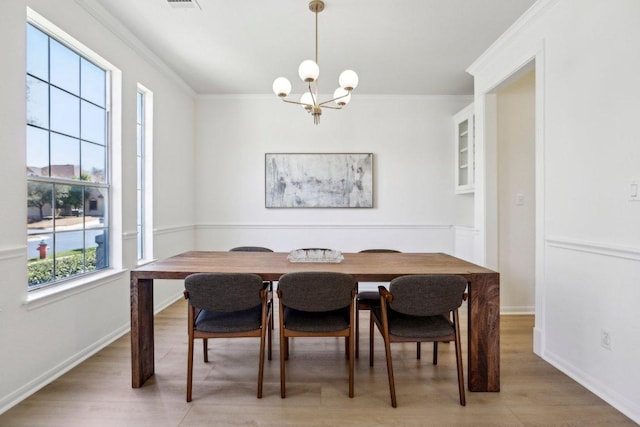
319	180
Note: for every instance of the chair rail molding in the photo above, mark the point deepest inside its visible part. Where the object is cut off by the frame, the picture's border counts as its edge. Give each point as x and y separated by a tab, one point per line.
173	229
598	248
324	226
12	253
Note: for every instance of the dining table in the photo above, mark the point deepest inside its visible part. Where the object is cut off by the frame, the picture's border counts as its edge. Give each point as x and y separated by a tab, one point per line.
483	304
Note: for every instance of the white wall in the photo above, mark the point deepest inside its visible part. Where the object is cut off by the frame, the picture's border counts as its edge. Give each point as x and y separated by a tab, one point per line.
587	230
411	138
42	340
516	194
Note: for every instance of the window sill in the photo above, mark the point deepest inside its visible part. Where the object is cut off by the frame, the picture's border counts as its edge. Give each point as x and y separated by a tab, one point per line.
41	297
142	262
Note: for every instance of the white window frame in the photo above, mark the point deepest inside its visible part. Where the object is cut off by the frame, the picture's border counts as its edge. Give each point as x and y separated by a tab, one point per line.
61	288
146	239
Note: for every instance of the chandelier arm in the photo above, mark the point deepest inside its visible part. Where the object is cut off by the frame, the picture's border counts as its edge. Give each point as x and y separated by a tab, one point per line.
292	102
330	106
334	99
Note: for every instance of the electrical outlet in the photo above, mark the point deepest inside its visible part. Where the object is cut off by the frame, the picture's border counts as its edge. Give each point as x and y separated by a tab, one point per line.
606	339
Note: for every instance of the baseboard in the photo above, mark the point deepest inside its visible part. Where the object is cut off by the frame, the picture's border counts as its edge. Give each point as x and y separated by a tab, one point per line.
167	302
56	372
538	347
517	310
619	402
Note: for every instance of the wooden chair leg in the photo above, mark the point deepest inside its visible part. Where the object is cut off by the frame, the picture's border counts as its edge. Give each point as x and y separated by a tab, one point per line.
283	351
392	386
269	339
459	359
435	352
286	348
189	369
357	329
346	347
205	350
352	362
370	339
418	347
261	365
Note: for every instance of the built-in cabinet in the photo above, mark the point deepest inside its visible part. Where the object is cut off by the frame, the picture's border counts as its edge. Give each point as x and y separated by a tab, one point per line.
464	141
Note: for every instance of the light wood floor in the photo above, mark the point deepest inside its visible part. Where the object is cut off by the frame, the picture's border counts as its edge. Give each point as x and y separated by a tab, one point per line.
98	392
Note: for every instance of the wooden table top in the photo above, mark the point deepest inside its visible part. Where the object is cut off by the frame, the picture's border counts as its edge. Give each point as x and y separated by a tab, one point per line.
363	267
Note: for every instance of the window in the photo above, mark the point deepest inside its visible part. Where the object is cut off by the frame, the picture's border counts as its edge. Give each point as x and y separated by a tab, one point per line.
140	174
67	166
144	176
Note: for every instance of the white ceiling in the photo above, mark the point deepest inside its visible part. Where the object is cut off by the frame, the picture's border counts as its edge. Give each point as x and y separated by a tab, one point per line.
395	46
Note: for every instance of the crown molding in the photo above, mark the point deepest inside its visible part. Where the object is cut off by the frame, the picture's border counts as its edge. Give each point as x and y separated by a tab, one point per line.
125	35
537	10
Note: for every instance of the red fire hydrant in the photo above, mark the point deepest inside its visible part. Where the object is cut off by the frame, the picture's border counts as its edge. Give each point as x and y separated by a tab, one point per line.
42	248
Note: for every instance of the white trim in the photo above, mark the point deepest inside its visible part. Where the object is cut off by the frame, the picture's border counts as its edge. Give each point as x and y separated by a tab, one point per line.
147	167
622	403
463	229
129	235
174	229
597	248
517	310
167	302
323	226
540	192
523	22
13	253
57	371
51	294
538	340
119	30
60	35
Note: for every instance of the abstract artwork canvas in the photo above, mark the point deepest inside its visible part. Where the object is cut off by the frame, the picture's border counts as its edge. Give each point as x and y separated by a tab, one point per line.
319	180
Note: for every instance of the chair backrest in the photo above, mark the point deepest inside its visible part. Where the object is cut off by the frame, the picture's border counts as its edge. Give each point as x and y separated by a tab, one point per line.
427	295
316	291
379	251
224	292
250	249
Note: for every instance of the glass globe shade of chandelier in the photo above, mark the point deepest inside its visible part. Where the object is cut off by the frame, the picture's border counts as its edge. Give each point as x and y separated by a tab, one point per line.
309	72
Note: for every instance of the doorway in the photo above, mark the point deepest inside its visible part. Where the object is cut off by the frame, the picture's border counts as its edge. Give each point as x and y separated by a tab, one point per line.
516	192
511	200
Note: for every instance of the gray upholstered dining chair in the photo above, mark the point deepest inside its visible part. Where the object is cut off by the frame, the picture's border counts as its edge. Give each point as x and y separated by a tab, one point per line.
366	300
256	249
316	304
227	305
417	309
250	249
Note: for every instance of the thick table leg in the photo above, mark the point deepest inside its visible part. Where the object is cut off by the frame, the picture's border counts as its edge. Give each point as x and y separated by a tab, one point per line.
142	357
484	332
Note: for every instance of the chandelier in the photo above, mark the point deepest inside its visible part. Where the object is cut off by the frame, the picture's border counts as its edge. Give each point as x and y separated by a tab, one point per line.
308	72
